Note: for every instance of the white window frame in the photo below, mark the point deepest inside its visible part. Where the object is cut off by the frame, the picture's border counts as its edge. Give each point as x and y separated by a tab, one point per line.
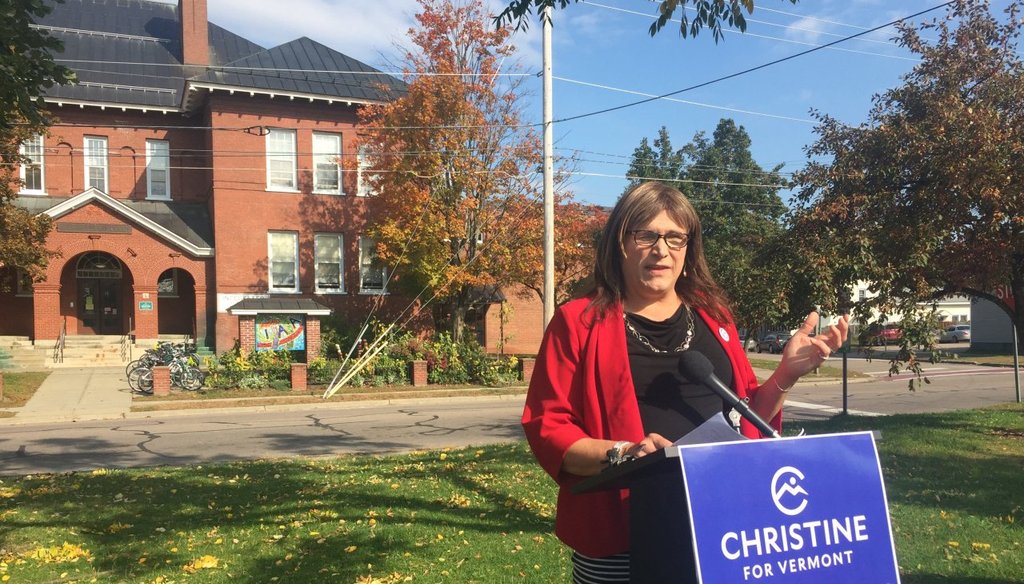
326	160
318	261
366	257
158	161
286	155
363	188
294	288
34	150
95	154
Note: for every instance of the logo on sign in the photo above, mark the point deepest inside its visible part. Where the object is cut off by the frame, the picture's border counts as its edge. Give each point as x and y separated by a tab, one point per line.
787	493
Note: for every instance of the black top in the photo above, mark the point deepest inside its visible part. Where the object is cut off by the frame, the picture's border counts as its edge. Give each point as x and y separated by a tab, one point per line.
671	404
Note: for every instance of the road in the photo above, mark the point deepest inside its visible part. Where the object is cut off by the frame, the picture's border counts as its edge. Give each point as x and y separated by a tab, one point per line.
315	431
423	424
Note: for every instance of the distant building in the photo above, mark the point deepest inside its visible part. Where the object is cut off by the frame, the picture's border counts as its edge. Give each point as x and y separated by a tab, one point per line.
202	185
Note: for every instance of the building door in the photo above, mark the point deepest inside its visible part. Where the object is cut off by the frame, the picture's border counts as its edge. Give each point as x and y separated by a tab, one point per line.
99	307
99	295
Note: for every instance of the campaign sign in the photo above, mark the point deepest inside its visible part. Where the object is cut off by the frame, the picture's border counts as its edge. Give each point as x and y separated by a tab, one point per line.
791	510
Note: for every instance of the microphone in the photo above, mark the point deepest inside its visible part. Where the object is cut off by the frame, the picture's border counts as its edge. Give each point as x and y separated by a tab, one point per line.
697	367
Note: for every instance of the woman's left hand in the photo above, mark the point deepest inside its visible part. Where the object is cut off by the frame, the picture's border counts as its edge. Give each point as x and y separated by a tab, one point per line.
804	353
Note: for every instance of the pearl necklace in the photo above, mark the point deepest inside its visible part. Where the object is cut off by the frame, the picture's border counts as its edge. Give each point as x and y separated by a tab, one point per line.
682	347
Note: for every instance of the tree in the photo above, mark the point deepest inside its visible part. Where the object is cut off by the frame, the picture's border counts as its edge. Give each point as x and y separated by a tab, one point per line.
739	208
26	70
927	197
740	211
709	13
455	204
660	163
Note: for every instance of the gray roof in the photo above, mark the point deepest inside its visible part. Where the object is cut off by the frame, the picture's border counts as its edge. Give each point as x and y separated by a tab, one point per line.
190	221
128	52
306	66
279	305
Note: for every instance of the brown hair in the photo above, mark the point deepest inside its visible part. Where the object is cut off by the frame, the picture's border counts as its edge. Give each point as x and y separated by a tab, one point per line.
636	208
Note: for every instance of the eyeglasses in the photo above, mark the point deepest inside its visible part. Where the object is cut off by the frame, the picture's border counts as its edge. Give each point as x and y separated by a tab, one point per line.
644	238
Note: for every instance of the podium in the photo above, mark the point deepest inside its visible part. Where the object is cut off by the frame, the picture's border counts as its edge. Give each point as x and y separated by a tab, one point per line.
791	510
661	549
660	536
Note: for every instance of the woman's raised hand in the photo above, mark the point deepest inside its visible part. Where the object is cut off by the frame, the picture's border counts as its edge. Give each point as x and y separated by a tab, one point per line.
805	353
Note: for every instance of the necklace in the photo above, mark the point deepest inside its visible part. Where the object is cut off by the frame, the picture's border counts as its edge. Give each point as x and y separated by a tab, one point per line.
682	347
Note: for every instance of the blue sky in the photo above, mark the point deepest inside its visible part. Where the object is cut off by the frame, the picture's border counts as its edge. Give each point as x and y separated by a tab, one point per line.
603	57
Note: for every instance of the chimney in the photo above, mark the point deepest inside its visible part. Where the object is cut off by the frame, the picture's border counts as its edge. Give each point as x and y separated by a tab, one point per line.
195	36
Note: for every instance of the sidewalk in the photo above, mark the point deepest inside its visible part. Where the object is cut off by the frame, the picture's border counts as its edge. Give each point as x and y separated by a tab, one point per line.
71	395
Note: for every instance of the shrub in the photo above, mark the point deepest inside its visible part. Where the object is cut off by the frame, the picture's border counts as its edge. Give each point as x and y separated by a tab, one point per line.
250	371
444	361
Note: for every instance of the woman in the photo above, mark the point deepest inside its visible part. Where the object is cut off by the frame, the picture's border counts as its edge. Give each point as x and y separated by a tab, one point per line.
606	383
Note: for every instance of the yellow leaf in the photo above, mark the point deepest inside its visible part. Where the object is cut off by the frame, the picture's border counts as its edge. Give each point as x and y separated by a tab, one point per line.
202	563
351	549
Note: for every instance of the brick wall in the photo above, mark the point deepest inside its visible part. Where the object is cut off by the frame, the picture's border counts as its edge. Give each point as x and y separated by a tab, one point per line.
524	326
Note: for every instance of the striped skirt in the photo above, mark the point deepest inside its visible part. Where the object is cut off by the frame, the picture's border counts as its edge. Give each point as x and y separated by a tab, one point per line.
608	570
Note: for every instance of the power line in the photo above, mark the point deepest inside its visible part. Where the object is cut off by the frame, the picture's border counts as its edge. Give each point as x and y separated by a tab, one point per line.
751	69
694	103
784	40
266	70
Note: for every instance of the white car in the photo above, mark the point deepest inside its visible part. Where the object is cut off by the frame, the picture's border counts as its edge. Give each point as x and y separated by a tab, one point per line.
956	334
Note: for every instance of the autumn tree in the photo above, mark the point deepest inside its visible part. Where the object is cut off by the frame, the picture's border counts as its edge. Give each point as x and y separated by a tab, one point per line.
454	168
708	14
927	196
26	70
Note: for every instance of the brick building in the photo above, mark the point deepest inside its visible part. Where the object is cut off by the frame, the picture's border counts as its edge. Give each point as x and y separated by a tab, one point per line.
203	185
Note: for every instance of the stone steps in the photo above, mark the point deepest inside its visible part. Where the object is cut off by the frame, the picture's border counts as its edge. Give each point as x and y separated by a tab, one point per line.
20	354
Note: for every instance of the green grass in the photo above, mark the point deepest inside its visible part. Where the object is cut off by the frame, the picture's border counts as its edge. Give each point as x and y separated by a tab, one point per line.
471	515
19	387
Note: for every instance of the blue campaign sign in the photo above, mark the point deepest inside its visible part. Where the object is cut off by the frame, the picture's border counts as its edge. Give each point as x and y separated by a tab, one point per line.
792	510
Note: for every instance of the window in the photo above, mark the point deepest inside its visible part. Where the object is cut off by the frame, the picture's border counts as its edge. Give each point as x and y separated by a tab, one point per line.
167	285
32	167
326	155
96	163
281	160
328	248
158	164
371	269
362	175
862	294
283	261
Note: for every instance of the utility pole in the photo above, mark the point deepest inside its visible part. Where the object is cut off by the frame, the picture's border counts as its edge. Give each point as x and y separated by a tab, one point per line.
549	195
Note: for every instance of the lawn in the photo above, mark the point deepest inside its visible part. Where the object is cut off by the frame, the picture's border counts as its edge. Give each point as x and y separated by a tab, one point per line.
472	515
18	387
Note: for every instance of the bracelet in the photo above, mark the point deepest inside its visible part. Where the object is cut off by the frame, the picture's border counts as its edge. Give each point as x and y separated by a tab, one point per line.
780	388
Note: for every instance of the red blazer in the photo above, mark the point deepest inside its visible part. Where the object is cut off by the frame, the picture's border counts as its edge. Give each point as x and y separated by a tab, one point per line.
582	388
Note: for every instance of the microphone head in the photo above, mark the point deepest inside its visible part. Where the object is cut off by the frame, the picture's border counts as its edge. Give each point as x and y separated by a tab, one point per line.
695	365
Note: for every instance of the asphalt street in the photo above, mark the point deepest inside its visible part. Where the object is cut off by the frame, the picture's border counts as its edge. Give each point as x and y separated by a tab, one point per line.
195	436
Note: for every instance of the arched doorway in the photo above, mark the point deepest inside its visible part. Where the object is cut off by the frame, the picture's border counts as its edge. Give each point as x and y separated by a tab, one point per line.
176	292
99	304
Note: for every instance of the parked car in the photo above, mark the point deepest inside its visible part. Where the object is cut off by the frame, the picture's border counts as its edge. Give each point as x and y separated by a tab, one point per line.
773	342
881	334
956	334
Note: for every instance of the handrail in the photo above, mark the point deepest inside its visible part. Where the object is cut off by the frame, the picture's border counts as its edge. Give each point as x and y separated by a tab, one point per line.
58	349
126	343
